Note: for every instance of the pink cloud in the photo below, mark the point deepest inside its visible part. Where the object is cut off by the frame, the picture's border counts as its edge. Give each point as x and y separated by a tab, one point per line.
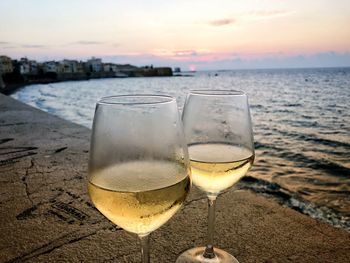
185	53
222	22
190	55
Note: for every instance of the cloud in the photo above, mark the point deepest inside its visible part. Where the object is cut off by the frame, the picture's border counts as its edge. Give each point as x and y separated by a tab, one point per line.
254	15
33	46
222	22
185	53
188	55
175	54
7	45
88	42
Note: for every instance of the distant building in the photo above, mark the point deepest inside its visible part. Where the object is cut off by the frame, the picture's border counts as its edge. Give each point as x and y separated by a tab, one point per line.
65	66
28	67
50	66
94	65
110	67
24	67
79	67
177	70
33	67
5	65
70	66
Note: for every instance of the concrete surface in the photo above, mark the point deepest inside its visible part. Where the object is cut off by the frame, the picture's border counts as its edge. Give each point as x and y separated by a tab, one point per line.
46	215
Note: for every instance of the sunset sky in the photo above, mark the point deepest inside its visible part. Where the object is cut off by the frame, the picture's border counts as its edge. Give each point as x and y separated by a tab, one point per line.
192	34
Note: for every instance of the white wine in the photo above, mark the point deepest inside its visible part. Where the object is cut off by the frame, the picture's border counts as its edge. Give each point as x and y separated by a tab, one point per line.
216	167
139	196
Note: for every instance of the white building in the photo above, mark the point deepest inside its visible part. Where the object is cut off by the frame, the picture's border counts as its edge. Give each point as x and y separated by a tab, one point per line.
94	65
70	66
65	66
24	66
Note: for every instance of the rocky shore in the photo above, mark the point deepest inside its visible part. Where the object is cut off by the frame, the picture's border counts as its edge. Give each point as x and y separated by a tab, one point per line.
46	214
10	82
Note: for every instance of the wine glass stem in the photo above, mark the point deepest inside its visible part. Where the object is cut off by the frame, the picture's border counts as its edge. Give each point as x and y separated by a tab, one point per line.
144	240
209	250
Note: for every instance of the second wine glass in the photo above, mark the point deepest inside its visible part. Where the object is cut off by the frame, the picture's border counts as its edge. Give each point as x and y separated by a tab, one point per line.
219	135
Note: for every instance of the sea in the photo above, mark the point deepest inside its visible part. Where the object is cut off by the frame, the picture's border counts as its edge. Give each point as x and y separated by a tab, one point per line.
301	121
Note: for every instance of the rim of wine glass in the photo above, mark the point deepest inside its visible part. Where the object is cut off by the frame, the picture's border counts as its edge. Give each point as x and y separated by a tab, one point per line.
212	92
123	99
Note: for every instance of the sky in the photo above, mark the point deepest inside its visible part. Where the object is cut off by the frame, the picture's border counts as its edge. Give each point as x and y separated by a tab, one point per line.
191	34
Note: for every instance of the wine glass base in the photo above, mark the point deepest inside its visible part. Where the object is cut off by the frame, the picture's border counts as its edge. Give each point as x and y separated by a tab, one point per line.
195	255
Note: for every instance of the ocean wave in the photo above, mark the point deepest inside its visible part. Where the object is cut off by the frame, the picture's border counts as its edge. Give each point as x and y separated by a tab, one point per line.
295	201
293	105
302	160
313	138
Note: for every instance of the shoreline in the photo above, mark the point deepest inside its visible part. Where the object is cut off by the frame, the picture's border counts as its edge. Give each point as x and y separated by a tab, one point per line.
285	198
10	88
13	87
49	216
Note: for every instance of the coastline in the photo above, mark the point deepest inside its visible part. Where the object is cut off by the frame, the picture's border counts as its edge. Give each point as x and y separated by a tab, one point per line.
49	216
9	83
11	88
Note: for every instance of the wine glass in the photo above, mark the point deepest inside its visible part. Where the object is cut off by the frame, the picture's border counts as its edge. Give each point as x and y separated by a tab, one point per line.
219	135
139	173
